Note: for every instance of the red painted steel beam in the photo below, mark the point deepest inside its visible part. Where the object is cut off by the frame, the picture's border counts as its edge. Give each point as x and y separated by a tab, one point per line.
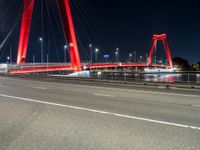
89	66
25	30
70	35
168	52
113	65
151	51
40	69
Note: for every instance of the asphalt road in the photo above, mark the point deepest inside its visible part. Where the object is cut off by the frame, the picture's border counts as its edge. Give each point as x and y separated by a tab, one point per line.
51	115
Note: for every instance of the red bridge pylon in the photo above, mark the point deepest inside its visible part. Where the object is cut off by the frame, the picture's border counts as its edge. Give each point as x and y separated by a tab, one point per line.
163	38
68	27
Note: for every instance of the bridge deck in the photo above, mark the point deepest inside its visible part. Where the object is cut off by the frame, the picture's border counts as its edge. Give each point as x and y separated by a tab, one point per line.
32	68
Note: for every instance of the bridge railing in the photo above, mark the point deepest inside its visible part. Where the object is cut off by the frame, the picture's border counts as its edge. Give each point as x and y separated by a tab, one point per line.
188	78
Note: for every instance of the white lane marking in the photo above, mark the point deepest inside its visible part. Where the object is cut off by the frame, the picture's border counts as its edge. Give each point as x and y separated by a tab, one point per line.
115	89
103	95
127	90
196	105
40	88
101	112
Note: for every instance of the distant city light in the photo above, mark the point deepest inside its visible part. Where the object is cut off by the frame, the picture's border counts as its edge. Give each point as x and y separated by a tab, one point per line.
96	50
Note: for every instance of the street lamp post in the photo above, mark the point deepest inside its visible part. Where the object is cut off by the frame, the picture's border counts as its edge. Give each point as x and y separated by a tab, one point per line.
90	45
117	54
96	54
140	58
8	59
155	59
147	57
130	57
42	51
11	54
135	57
65	53
33	59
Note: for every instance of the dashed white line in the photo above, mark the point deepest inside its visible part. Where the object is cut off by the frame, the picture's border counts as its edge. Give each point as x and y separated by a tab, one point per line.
196	105
100	112
40	88
103	95
129	90
114	89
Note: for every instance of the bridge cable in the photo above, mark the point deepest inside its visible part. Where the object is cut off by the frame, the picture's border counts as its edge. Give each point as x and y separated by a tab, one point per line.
79	10
10	4
51	25
13	27
90	22
86	55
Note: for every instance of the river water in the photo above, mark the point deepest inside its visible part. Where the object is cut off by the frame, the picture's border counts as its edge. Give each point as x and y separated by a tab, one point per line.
171	78
184	78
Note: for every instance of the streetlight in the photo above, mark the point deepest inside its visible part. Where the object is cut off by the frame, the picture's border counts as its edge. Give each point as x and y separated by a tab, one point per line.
140	58
155	59
65	52
130	56
42	52
96	53
8	59
117	54
90	45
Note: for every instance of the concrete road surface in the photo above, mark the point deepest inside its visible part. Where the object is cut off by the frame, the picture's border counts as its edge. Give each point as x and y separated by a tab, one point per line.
74	115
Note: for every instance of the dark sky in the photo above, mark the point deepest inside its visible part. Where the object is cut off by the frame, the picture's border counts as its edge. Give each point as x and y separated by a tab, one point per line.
107	24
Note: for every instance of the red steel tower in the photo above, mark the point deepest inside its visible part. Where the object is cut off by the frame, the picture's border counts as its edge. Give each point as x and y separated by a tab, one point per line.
163	38
68	27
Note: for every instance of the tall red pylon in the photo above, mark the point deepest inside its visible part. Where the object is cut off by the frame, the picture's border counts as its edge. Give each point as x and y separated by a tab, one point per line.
70	35
25	30
68	27
163	38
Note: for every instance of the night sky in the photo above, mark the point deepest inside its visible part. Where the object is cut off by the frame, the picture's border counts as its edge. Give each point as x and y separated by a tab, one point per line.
108	24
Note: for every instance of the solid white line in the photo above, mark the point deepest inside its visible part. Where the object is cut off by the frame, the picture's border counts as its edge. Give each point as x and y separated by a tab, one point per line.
103	95
101	112
196	105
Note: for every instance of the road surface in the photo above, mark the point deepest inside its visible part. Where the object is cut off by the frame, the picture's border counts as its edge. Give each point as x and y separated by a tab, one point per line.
74	115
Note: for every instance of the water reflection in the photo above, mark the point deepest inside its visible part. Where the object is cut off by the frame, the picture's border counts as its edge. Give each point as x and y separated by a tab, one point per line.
190	78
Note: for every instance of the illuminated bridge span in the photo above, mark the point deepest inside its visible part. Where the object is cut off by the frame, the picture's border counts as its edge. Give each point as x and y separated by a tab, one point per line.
70	36
31	68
